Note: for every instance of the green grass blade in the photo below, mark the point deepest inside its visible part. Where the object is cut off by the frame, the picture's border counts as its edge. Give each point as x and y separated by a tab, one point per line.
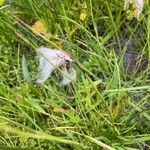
42	136
25	70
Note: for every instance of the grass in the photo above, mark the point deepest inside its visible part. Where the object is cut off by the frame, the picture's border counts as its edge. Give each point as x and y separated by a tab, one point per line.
106	108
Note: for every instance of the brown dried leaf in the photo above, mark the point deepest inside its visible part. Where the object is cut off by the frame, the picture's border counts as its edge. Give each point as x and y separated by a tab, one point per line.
39	27
59	110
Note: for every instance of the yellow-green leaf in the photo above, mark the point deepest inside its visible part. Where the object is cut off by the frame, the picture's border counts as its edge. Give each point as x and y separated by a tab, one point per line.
2	2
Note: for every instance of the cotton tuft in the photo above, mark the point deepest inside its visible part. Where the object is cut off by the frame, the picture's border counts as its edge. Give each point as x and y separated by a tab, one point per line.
51	59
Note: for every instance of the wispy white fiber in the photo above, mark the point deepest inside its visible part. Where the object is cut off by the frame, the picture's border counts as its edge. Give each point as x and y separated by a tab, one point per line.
51	59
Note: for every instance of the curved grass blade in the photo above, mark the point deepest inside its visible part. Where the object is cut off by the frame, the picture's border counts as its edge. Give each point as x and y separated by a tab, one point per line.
42	136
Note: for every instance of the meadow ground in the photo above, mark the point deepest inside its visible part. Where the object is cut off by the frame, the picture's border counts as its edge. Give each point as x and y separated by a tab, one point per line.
107	107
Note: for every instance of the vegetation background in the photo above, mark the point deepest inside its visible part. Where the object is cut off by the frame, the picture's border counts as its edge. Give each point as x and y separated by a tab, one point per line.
108	106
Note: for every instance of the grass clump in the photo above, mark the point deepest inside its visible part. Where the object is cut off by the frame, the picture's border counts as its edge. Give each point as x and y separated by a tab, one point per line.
107	107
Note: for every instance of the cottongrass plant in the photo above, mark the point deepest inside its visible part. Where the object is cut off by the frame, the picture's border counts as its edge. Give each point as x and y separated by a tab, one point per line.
138	7
50	60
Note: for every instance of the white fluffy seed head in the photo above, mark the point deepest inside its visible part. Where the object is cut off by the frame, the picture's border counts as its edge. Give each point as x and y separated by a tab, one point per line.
51	59
139	6
54	56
